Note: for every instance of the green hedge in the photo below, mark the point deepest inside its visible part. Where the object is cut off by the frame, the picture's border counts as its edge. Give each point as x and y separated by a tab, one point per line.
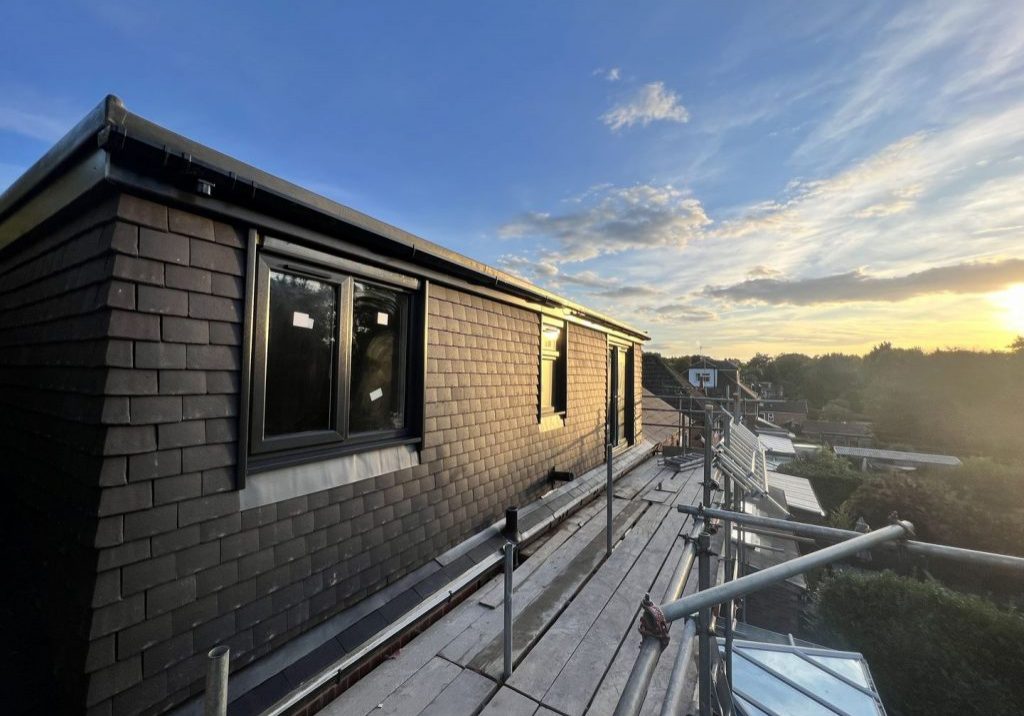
930	650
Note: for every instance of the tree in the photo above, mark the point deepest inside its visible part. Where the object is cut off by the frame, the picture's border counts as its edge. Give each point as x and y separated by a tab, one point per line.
930	650
1018	345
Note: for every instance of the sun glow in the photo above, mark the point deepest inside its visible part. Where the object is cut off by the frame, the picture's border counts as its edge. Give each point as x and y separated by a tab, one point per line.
1011	303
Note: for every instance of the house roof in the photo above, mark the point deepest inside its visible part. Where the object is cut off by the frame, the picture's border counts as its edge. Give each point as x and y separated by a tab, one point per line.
777	444
705	362
921	458
827	427
113	146
784	406
659	417
799	492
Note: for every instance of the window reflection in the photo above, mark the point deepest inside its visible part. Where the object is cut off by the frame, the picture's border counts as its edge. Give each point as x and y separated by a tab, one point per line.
377	400
301	338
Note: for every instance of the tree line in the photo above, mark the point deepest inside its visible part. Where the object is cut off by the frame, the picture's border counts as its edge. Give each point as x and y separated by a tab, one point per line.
954	401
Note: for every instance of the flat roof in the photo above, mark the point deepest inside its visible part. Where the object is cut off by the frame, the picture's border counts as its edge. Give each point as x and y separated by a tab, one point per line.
134	147
923	458
777	444
799	492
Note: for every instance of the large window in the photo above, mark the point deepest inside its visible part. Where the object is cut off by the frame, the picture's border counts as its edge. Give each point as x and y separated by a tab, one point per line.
552	367
333	356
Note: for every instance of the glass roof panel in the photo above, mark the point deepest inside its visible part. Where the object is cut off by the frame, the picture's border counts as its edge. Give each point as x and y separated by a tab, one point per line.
748	708
853	669
773	693
818	682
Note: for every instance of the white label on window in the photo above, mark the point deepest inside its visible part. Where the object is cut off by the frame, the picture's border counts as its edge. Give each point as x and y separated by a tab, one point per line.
382	319
376	394
302	320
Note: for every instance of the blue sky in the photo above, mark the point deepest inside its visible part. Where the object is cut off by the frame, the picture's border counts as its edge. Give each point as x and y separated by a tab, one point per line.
749	176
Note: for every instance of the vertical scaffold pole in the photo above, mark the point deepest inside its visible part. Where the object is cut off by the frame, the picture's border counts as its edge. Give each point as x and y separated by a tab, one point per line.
215	700
704	624
609	488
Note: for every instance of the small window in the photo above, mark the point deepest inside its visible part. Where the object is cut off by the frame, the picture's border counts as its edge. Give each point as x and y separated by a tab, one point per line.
552	368
333	364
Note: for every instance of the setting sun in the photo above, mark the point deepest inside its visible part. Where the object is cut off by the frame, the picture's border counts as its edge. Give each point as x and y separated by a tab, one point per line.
1011	303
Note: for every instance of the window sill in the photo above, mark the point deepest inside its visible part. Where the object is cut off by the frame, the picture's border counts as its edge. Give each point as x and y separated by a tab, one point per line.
316	474
552	422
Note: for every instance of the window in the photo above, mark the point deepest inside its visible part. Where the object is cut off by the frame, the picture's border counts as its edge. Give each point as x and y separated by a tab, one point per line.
552	367
332	356
620	394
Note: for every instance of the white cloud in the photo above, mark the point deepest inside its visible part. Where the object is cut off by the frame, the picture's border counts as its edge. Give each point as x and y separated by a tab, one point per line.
615	219
613	75
652	103
858	286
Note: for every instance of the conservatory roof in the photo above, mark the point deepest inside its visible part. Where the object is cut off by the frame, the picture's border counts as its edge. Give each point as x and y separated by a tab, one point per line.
790	680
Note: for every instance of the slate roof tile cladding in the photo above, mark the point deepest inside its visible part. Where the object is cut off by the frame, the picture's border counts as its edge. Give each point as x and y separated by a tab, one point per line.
173	565
120	335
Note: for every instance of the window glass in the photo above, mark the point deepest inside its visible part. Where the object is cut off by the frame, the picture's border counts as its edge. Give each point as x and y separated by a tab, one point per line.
301	342
552	368
377	400
621	397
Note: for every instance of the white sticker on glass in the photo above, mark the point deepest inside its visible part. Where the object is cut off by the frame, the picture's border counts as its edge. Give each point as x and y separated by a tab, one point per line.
382	319
376	394
302	320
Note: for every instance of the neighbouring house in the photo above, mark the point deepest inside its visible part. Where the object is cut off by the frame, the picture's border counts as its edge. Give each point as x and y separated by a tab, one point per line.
664	384
850	434
875	459
236	412
769	390
721	379
787	413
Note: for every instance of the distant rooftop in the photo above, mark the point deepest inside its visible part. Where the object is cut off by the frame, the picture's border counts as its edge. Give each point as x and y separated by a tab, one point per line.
920	458
799	492
828	427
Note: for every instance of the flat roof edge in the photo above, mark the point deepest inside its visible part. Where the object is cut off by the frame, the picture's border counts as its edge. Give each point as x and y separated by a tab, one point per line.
127	128
109	111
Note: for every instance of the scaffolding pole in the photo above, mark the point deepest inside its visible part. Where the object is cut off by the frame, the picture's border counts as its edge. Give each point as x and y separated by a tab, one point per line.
635	690
832	534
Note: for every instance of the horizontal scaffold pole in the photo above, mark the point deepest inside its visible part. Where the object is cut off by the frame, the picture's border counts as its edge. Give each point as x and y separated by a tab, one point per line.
832	534
759	580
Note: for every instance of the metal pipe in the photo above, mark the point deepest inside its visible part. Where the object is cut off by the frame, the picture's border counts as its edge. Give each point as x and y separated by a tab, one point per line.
510	549
779	572
215	700
650	647
708	436
609	489
675	693
635	691
832	534
704	624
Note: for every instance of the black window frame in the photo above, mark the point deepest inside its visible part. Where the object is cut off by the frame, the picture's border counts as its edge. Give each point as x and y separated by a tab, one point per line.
560	371
625	355
259	453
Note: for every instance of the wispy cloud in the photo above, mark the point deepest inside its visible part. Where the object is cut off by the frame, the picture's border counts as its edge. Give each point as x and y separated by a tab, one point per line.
652	103
32	124
613	74
929	54
858	286
615	219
